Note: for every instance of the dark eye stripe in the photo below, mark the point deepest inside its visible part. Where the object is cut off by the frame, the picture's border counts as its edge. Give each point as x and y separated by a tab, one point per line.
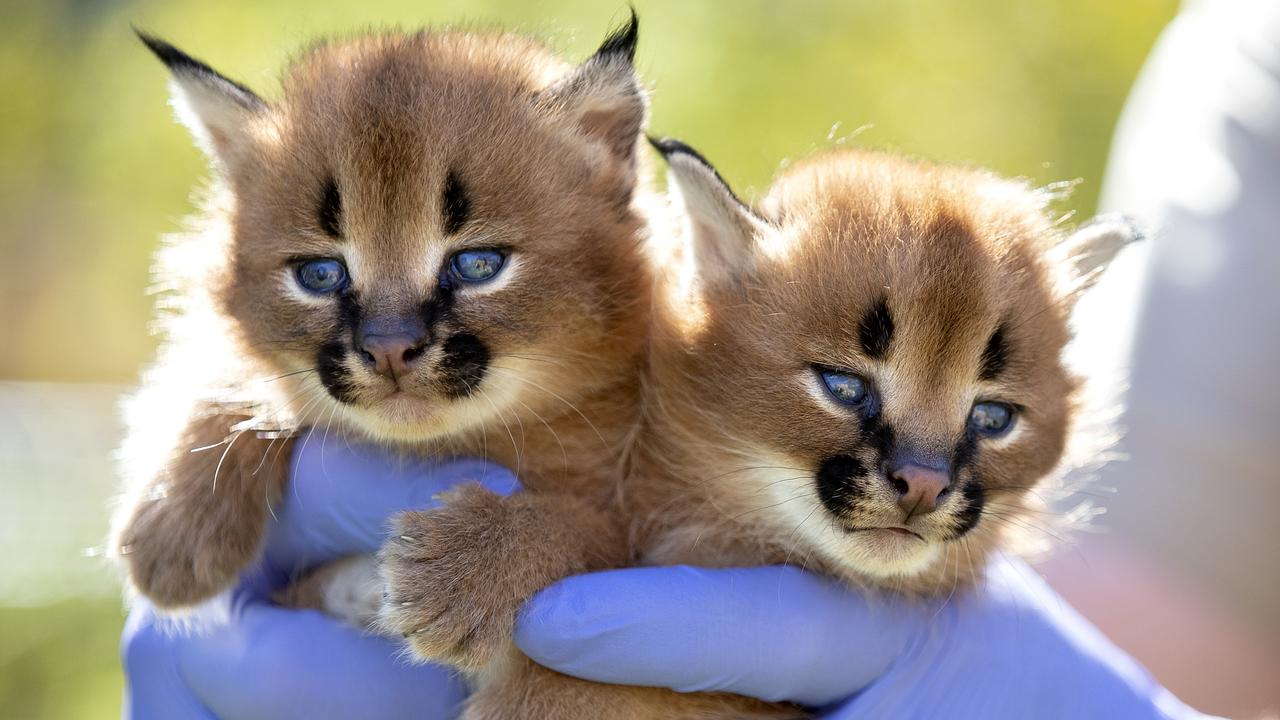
329	212
995	357
876	329
455	206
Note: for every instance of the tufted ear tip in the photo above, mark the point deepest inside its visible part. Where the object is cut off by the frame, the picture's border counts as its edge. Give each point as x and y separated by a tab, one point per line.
215	108
186	67
621	43
721	227
669	147
602	98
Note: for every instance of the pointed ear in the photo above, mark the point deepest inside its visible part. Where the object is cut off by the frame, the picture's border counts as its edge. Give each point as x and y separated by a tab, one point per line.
1088	251
721	228
216	109
602	97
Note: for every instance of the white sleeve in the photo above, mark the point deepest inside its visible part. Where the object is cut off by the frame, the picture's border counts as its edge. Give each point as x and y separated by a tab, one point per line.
1196	312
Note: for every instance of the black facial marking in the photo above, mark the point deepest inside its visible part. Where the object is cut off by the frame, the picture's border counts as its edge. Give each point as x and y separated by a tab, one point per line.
964	452
879	436
974	500
463	363
329	212
454	205
349	311
995	356
439	306
621	42
334	375
838	485
180	63
875	331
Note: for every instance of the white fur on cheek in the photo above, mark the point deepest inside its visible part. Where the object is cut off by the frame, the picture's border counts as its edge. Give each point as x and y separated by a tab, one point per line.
793	499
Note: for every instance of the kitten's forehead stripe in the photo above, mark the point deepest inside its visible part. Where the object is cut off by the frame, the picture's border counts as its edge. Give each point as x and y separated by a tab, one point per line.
875	331
329	212
455	206
995	356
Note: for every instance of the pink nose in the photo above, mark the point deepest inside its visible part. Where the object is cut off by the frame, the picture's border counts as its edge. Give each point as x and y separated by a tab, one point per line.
919	488
391	355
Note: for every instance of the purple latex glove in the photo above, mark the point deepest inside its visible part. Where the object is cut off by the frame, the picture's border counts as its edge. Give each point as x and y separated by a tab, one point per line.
1008	649
251	659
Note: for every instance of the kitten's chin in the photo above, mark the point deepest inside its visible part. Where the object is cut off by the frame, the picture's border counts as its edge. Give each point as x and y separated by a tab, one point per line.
403	418
887	553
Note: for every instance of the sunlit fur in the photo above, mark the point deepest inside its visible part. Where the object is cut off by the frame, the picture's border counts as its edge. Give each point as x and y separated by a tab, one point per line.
738	425
546	154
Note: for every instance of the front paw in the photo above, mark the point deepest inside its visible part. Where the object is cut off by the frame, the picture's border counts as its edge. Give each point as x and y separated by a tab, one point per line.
452	587
178	559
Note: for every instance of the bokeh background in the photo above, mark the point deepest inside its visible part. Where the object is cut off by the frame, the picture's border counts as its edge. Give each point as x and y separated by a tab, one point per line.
93	169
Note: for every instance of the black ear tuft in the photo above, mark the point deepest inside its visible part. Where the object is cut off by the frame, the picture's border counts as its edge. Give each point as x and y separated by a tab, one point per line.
670	148
720	227
622	42
603	99
180	63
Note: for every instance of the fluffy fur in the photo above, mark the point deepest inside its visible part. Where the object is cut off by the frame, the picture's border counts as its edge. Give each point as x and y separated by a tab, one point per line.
390	154
941	287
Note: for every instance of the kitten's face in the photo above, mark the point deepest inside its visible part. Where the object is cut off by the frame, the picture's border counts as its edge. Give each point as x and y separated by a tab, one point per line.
885	361
435	231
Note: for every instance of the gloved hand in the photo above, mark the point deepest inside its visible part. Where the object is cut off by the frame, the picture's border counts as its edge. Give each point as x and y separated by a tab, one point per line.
1008	649
247	658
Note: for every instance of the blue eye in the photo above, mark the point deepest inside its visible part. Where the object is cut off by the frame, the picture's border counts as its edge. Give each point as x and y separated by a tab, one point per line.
322	275
846	388
477	265
991	418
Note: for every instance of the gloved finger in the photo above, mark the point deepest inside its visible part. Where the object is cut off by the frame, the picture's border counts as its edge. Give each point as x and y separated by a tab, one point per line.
775	633
154	687
270	662
341	495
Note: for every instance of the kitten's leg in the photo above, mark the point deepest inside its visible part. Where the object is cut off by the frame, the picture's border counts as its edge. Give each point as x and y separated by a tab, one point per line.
456	576
192	528
349	589
523	689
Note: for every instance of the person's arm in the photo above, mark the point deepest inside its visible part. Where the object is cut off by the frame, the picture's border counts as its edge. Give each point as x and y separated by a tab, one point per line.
244	657
1010	648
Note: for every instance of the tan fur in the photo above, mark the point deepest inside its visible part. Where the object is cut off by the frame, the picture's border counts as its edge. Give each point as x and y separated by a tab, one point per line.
547	155
551	171
731	436
528	691
957	252
748	303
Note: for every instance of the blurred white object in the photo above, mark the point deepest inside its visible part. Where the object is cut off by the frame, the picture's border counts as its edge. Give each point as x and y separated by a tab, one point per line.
1188	579
57	442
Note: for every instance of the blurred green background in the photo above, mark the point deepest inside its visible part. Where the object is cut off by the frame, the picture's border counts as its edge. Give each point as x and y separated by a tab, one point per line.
93	169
